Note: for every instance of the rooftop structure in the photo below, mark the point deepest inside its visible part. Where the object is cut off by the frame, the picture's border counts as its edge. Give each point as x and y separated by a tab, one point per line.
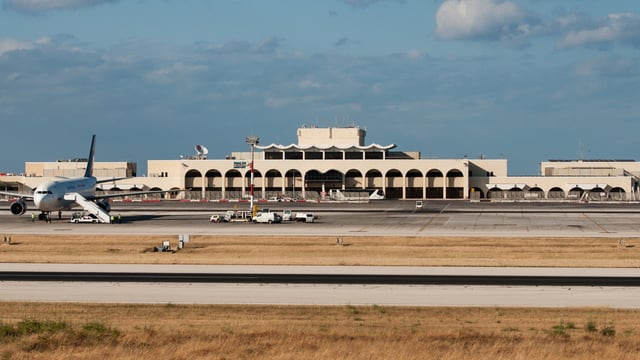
340	136
327	144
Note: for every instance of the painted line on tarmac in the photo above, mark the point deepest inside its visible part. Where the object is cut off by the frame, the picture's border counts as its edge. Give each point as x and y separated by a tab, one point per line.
596	223
433	219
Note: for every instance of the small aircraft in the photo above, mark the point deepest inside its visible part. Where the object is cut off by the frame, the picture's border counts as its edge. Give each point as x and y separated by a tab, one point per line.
64	194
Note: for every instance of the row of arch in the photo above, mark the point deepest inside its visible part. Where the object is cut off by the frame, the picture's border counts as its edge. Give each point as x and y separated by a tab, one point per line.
515	193
309	184
555	193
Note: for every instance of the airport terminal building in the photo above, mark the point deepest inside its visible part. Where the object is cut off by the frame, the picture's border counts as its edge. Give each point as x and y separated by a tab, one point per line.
336	163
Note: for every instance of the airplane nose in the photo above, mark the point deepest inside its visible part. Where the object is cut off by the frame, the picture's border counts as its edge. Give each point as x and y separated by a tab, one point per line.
45	202
37	200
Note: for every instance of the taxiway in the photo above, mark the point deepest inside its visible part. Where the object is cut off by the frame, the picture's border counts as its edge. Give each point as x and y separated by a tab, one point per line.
374	219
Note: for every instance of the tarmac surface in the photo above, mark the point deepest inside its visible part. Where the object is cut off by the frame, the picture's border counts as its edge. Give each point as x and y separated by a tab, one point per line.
388	217
437	218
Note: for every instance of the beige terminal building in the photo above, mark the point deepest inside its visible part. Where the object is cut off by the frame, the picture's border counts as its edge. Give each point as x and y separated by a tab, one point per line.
336	163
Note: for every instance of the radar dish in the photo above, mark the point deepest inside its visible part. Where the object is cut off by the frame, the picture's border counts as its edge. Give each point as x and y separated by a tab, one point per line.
201	150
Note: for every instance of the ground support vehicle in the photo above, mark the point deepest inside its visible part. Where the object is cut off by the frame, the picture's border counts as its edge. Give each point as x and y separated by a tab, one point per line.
305	217
218	218
77	218
238	216
267	217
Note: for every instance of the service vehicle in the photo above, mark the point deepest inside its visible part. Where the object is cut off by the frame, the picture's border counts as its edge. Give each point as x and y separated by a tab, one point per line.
218	218
238	215
305	217
78	218
267	217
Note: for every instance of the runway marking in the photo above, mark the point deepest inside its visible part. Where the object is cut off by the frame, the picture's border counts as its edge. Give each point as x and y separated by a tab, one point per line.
433	219
598	225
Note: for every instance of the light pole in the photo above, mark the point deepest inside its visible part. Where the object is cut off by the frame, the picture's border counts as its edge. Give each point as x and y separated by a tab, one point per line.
252	141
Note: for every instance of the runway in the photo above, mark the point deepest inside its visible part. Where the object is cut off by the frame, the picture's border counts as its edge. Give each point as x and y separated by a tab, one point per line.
300	294
256	291
377	219
322	293
321	275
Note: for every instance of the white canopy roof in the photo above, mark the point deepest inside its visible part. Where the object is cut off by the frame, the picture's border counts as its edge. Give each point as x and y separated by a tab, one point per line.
508	186
587	186
326	147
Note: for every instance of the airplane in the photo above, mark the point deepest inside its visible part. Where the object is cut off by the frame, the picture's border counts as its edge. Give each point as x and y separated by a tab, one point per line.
64	194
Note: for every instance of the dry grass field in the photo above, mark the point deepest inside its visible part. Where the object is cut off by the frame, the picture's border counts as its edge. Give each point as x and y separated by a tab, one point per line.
73	331
91	331
296	250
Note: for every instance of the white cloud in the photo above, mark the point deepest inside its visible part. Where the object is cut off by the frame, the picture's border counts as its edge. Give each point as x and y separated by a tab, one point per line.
34	6
610	66
265	47
624	27
309	84
8	45
43	41
14	76
478	19
273	102
284	101
269	45
168	74
416	54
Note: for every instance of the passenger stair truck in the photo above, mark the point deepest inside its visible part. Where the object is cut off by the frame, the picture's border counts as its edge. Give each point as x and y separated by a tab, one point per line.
89	206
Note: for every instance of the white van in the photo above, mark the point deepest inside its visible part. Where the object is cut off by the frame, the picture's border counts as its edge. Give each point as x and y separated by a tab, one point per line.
267	217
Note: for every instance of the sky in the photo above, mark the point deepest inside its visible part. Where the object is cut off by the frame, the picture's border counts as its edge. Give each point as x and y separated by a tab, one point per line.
523	80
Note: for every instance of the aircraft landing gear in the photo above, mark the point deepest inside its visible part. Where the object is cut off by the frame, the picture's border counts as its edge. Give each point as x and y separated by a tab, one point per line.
46	216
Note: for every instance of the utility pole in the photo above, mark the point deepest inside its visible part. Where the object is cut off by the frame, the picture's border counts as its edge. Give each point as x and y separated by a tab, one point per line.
252	141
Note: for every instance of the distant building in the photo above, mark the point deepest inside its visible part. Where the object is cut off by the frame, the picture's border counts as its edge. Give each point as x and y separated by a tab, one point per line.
76	168
329	161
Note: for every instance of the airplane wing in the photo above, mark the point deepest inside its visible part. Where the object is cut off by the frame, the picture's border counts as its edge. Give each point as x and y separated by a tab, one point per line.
132	193
26	196
110	180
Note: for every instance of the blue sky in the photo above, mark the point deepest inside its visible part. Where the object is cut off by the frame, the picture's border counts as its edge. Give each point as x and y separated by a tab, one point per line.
526	80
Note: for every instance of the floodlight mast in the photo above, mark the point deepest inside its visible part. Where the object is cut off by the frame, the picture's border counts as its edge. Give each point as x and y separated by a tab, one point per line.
252	141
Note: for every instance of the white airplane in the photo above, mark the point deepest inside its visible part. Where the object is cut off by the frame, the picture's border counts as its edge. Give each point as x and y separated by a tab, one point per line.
64	194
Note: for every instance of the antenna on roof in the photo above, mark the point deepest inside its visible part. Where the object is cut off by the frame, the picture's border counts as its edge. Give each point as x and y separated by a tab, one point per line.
201	152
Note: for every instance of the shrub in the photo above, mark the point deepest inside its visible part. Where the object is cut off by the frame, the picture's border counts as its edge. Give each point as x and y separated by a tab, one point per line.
7	331
100	330
29	327
609	331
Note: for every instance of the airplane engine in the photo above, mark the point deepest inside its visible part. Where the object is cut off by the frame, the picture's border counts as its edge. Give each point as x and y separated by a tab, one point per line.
104	205
19	207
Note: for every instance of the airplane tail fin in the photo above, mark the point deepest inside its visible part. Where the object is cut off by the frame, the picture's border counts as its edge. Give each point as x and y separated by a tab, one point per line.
89	171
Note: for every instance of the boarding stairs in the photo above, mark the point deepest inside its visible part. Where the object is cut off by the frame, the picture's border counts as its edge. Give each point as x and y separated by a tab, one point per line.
90	207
